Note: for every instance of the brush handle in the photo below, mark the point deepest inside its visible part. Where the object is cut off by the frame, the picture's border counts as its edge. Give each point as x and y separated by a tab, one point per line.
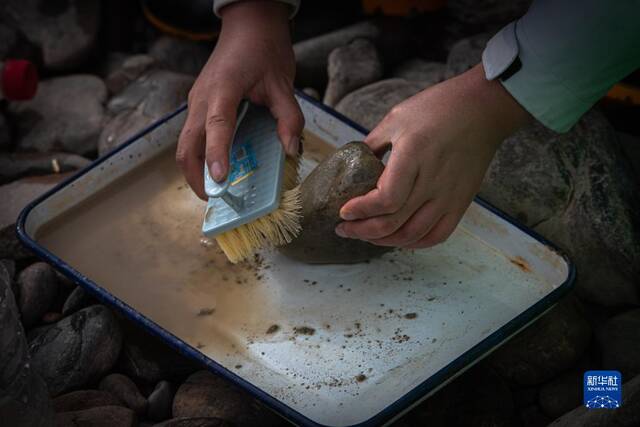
219	189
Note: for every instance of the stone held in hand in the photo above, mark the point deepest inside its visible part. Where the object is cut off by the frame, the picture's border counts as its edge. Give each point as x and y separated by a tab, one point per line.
38	287
101	416
351	66
126	390
79	348
351	171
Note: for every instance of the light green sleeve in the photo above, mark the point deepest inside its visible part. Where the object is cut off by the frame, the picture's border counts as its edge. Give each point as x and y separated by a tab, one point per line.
565	55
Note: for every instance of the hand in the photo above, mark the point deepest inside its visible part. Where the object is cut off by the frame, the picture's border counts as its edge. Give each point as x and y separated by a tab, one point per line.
252	59
442	141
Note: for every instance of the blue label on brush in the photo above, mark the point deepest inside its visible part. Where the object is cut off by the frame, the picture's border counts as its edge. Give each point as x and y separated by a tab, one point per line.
243	162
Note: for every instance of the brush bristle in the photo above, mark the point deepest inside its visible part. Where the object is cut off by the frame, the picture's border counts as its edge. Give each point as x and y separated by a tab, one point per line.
275	229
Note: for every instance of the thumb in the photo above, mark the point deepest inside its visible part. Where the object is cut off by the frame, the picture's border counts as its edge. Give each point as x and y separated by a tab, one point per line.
286	111
220	126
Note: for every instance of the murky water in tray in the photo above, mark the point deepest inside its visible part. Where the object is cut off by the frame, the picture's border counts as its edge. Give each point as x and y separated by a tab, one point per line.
316	337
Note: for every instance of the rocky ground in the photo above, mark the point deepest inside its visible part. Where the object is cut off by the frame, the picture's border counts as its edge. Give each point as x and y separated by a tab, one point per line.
67	360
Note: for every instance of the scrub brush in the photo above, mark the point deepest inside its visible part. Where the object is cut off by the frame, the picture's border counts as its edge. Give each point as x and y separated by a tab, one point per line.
259	204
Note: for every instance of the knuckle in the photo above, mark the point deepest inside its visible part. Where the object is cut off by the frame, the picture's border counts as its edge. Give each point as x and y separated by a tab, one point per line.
181	157
389	203
217	120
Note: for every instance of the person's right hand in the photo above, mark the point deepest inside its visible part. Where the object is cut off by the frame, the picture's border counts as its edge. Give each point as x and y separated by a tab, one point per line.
253	59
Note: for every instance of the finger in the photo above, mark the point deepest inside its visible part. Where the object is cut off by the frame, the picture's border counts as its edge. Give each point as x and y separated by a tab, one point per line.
391	192
379	140
190	151
417	226
219	128
286	111
439	233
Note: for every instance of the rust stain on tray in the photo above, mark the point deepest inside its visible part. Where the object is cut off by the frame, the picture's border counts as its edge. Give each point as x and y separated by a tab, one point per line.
521	263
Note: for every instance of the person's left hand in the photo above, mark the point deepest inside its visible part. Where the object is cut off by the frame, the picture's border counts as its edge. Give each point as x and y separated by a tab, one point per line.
442	141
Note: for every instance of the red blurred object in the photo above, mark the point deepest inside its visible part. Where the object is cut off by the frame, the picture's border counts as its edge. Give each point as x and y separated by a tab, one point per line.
19	80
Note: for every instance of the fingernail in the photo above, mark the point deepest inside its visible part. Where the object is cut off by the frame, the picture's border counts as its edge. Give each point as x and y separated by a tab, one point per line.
294	145
216	171
347	216
340	232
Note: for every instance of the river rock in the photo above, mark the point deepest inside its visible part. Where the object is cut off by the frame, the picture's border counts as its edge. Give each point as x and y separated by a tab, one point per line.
38	288
180	55
15	196
79	348
350	67
576	189
619	342
25	400
428	73
312	54
67	114
128	69
78	299
563	393
195	422
146	358
204	394
487	14
351	171
124	389
149	98
102	416
160	401
65	31
369	104
627	415
548	347
466	53
5	134
17	165
460	404
84	399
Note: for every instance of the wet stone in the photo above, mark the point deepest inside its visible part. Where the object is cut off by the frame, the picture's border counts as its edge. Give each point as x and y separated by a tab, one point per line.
351	171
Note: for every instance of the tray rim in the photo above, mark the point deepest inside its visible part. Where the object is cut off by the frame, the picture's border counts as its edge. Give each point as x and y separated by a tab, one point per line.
389	413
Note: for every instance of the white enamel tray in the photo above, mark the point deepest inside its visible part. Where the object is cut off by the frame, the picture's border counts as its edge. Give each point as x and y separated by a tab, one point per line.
339	345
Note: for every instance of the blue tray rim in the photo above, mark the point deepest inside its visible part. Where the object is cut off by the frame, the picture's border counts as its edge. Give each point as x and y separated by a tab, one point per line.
387	414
